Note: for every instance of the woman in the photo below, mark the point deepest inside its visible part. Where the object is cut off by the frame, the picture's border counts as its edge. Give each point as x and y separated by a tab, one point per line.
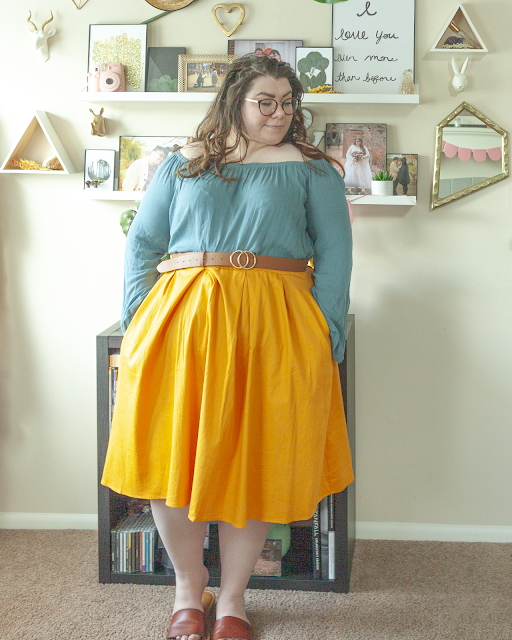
403	175
229	389
357	166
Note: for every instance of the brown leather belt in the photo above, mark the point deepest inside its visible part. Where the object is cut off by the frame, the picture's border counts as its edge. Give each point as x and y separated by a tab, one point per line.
238	259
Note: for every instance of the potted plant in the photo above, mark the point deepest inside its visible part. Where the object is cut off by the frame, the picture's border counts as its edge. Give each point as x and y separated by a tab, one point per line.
382	184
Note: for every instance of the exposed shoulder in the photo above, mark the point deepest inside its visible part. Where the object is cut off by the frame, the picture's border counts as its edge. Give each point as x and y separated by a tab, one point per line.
191	151
285	153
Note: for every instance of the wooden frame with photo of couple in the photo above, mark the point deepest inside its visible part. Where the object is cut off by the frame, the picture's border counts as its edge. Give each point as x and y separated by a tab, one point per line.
202	73
404	169
361	150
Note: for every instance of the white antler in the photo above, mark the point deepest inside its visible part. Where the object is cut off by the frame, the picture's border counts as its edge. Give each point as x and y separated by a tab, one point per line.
40	38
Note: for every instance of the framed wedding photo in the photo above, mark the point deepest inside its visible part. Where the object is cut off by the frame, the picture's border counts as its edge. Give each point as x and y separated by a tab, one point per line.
202	73
313	66
361	149
123	43
99	169
404	169
280	49
141	157
162	68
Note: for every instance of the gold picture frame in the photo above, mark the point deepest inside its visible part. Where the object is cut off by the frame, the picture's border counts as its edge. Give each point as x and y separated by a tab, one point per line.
192	67
436	201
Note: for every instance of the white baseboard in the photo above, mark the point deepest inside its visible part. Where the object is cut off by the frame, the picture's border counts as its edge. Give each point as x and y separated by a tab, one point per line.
364	530
48	520
437	532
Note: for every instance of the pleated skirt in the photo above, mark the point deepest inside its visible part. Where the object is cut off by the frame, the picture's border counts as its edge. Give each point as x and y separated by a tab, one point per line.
229	399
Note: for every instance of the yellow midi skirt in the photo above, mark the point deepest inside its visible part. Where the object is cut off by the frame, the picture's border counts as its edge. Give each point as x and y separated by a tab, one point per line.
229	399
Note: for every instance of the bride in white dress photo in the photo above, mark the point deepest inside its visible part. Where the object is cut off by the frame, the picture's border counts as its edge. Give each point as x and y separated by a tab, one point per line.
357	167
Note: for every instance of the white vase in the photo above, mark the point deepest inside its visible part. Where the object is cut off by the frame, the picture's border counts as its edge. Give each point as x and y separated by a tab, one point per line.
382	187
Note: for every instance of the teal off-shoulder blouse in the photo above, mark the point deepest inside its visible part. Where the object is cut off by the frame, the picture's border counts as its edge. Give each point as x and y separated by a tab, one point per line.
280	209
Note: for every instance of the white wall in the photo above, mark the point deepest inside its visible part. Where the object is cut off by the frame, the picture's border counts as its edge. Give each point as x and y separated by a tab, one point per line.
431	290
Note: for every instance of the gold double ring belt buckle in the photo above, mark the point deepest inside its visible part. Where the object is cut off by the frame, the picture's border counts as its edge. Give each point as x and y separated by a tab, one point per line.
243	259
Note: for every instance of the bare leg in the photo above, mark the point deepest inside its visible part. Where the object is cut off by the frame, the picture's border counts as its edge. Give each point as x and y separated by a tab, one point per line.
183	540
239	551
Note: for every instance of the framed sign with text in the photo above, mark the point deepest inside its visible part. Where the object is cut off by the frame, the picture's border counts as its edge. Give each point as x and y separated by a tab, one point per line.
373	43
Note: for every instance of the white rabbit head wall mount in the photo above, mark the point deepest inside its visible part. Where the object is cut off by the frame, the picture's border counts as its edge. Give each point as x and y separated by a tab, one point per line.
460	82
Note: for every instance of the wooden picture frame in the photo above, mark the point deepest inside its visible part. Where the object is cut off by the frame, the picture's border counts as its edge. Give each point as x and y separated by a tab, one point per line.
192	67
361	148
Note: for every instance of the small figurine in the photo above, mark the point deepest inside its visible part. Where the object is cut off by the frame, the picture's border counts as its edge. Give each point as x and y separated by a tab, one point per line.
98	124
460	82
408	87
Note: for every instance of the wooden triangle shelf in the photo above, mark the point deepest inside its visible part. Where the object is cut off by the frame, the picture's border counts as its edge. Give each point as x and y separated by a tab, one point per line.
38	142
462	21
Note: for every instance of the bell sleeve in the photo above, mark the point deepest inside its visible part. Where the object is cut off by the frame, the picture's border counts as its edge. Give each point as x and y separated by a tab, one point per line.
328	225
148	239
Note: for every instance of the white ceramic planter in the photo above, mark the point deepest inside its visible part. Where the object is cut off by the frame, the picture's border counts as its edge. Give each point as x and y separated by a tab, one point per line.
382	187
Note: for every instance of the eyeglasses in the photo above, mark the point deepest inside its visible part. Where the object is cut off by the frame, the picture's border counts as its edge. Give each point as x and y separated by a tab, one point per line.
268	106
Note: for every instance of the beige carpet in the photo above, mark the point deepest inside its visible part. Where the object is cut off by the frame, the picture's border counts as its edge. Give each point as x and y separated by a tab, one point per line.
400	590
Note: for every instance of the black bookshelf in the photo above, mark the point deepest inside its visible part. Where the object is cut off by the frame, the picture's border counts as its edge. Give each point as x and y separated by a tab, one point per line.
297	564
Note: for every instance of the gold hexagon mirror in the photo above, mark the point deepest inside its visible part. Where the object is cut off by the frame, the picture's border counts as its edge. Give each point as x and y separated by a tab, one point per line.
471	154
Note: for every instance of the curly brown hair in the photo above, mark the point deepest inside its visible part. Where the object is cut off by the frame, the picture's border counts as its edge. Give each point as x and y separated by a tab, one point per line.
224	117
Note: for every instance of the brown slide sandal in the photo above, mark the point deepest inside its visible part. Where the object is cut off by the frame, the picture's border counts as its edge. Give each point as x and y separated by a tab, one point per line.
187	622
231	627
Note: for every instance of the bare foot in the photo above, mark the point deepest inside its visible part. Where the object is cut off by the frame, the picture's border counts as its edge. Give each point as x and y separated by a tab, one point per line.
189	592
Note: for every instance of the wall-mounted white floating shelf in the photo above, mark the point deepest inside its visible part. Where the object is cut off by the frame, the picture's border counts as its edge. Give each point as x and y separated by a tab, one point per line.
309	98
119	196
383	200
97	194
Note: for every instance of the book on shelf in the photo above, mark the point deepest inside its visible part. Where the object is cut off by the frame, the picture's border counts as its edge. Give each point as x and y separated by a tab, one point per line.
331	536
324	540
317	558
113	372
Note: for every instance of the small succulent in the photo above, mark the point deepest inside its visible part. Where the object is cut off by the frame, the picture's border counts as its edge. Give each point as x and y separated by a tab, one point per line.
381	177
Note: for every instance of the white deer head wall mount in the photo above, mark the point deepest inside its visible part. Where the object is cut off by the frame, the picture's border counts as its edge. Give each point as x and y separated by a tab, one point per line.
40	38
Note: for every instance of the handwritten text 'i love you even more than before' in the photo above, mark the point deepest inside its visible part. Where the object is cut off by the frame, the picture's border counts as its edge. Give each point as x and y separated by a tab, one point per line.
373	44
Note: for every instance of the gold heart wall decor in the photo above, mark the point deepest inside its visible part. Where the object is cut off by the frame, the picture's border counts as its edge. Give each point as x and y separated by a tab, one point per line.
229	8
80	4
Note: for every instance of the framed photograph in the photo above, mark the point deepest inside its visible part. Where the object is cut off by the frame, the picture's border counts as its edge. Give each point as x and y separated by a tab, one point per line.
122	43
313	66
270	561
404	169
373	45
280	49
200	74
99	169
361	149
162	68
140	158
